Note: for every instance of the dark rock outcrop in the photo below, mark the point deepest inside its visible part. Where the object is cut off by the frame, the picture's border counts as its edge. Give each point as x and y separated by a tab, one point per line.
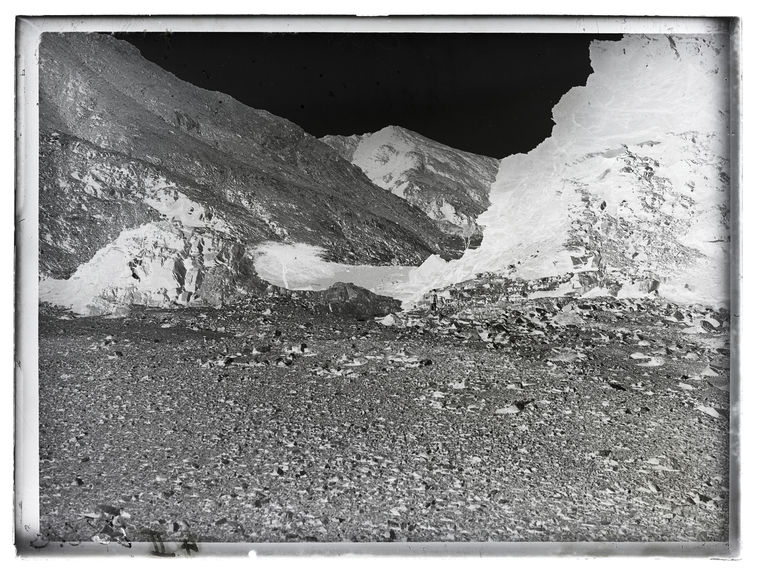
351	300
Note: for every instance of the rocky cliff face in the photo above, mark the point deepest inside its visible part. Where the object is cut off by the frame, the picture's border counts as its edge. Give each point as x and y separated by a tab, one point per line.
449	185
630	194
153	190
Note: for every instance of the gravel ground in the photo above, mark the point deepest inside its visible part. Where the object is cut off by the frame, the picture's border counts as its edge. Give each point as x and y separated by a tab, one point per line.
273	423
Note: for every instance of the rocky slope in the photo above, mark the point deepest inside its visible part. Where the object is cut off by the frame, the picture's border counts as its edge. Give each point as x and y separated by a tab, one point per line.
449	185
630	194
548	420
153	190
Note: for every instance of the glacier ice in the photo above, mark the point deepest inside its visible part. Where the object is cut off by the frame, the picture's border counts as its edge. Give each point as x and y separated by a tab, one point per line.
300	266
633	182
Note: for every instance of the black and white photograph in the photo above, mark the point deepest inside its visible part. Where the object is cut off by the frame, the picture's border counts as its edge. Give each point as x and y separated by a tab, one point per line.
382	285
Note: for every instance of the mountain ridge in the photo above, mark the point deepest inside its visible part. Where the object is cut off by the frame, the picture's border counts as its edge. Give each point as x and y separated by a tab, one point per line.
126	145
450	185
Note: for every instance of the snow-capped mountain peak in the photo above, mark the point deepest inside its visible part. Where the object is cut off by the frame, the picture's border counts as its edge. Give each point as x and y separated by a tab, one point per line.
451	186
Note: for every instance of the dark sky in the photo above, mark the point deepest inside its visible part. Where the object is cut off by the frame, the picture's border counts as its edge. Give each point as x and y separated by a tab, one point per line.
486	93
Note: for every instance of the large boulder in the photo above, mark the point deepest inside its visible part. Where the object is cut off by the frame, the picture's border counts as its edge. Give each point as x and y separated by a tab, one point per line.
351	300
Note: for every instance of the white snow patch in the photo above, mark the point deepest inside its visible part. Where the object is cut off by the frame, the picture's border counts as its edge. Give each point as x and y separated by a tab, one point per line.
300	266
448	213
176	206
563	289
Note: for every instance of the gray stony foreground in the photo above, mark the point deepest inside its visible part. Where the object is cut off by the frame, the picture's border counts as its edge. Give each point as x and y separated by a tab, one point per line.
548	421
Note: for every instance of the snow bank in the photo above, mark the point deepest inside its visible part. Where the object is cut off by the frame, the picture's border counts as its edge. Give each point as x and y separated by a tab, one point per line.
300	266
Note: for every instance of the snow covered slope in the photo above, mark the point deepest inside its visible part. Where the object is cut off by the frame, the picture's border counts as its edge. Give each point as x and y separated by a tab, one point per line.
630	194
449	185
